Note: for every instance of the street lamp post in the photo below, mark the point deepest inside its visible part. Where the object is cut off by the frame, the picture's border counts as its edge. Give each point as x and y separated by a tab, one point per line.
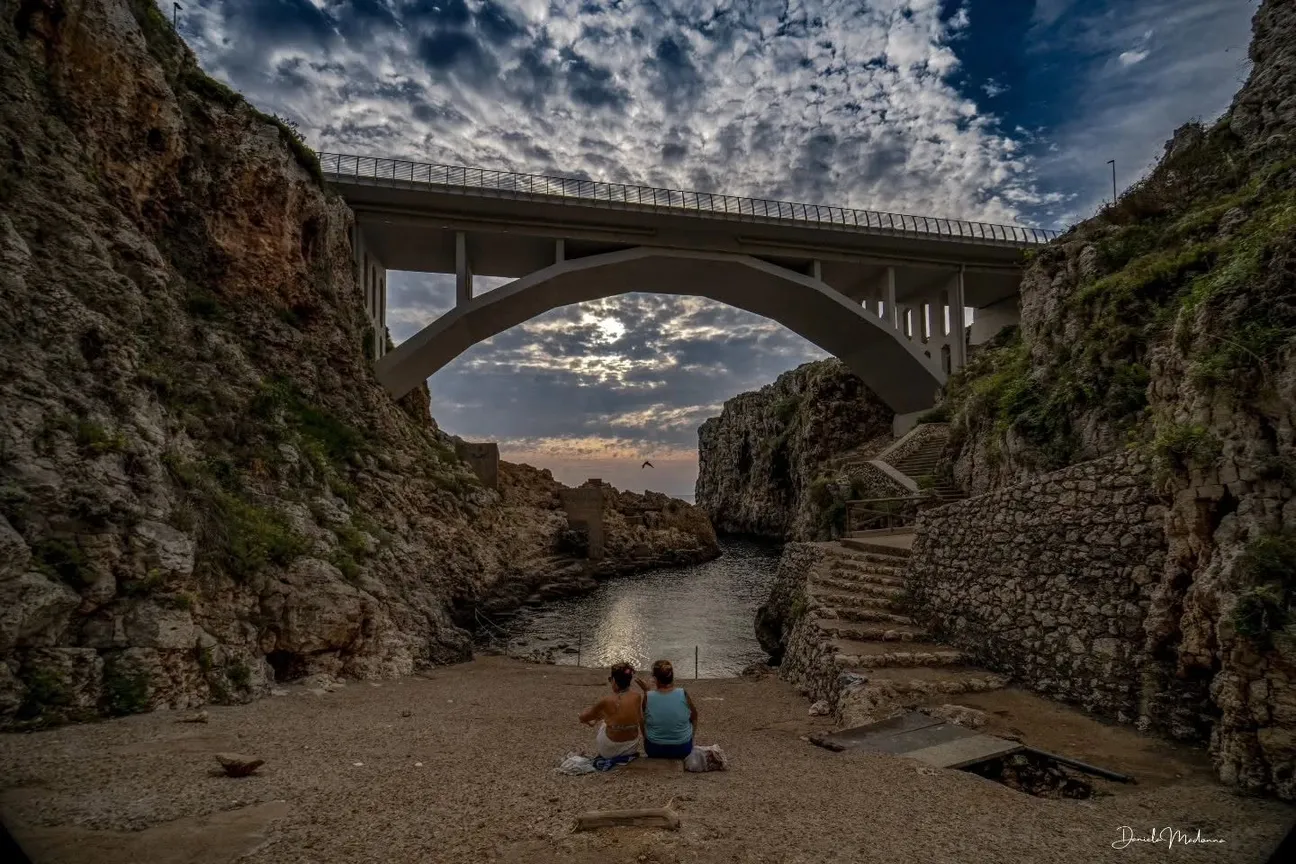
1112	162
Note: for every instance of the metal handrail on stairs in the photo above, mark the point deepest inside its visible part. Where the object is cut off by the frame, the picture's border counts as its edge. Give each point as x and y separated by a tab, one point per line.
888	514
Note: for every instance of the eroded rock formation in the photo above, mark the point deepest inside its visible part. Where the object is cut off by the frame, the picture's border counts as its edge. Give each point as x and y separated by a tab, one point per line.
758	462
1168	323
202	486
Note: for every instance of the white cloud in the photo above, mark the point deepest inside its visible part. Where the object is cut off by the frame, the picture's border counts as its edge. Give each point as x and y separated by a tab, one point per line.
1129	58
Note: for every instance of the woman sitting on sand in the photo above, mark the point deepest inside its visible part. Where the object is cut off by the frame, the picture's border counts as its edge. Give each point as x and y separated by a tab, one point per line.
618	715
669	716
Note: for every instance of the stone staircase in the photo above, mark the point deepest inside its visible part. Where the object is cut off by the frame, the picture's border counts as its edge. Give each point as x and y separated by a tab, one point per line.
857	649
919	461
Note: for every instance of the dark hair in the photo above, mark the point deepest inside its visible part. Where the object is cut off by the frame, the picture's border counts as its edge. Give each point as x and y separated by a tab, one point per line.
622	675
664	672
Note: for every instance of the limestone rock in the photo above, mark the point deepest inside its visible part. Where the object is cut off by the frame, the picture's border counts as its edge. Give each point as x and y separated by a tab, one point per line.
820	709
34	610
238	765
758	460
1147	581
959	715
202	486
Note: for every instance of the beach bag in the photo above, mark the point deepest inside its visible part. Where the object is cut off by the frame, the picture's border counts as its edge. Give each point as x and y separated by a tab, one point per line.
708	758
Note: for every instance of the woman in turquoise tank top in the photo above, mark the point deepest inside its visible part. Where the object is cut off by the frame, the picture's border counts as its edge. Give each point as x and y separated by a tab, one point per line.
669	716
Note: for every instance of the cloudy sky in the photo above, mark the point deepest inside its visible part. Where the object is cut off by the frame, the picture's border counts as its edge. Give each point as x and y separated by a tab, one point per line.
995	110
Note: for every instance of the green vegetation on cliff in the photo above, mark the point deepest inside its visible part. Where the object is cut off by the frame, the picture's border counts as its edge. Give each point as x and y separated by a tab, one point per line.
1189	259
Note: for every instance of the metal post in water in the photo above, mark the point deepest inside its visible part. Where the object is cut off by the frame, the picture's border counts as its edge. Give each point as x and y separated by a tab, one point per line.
695	665
580	639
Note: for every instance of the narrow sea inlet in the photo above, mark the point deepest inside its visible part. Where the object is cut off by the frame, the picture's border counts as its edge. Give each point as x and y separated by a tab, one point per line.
664	614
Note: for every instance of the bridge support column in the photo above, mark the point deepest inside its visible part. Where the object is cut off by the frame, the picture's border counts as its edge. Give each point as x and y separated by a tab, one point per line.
560	251
371	280
463	270
958	328
889	299
816	269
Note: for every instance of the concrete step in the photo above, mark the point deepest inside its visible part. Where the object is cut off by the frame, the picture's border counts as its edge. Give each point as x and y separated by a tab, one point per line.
922	681
861	545
886	580
867	559
827	581
856	600
865	568
866	615
884	655
863	632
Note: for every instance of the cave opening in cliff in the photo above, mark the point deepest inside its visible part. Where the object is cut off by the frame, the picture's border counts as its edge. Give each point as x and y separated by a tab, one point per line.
287	665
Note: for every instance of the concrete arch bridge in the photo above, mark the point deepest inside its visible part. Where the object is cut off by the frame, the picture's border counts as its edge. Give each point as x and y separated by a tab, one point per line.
886	293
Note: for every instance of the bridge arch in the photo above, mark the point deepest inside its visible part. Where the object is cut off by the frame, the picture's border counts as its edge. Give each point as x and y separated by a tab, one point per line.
890	365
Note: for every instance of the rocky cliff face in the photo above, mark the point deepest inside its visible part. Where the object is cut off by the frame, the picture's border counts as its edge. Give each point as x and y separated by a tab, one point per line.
758	462
1168	323
202	486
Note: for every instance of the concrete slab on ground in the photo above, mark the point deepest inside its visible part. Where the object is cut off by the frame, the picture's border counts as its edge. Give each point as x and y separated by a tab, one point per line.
927	739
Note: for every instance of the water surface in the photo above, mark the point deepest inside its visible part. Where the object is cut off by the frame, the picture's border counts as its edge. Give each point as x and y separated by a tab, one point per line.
664	614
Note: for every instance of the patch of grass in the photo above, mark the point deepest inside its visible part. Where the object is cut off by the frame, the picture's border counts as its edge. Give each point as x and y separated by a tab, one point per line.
62	558
95	440
46	693
798	610
203	303
152	581
206	87
338	440
342	489
125	692
296	144
160	37
1270	558
184	601
248	537
785	410
1259	612
1182	446
239	674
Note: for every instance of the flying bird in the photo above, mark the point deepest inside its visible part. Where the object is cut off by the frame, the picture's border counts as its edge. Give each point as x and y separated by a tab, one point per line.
646	464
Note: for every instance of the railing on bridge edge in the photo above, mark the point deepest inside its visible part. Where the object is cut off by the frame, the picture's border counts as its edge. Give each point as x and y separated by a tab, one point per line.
373	167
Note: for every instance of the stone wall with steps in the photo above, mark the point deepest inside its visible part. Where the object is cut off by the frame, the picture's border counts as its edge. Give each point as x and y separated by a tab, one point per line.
846	637
1051	581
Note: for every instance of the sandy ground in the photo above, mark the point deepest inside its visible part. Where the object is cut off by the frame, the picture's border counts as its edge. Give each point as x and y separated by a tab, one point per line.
342	783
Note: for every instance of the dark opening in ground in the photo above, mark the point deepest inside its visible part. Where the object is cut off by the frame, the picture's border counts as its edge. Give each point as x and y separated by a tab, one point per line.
1035	775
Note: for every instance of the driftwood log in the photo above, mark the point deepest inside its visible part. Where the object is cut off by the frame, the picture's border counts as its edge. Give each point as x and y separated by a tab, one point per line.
654	817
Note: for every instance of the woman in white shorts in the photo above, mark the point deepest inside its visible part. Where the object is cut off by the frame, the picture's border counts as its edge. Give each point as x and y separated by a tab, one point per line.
618	715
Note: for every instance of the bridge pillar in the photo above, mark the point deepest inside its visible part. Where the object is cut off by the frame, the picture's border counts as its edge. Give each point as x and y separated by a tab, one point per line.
463	270
816	269
371	279
889	299
560	251
958	327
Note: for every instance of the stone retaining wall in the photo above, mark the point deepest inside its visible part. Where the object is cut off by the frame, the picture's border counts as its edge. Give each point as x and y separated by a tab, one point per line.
1050	582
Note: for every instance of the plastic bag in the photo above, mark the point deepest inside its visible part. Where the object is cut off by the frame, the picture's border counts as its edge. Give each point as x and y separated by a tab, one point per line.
576	764
708	758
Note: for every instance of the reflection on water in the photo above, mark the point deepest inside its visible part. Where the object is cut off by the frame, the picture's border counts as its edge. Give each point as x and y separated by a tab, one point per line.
662	615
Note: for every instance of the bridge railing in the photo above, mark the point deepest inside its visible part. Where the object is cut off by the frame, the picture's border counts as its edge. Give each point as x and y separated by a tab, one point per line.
339	166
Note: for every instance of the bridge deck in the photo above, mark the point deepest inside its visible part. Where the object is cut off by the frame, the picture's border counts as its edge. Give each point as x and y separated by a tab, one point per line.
359	171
